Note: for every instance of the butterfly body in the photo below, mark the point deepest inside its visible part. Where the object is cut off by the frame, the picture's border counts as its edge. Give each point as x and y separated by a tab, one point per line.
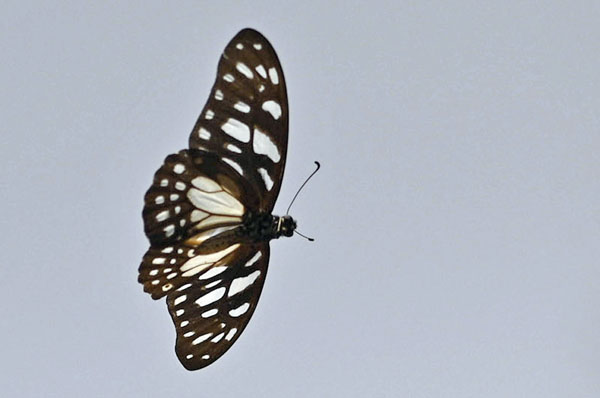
208	214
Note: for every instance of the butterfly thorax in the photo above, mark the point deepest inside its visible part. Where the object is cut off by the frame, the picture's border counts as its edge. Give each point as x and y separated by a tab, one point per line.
261	226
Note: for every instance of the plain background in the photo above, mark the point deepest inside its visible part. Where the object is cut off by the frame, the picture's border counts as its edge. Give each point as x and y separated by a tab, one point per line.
456	213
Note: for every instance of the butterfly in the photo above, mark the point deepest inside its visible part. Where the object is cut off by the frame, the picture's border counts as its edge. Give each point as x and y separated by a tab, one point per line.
208	215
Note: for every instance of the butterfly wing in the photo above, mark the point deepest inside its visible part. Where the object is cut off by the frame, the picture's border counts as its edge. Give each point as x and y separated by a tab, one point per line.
246	116
211	311
192	193
193	212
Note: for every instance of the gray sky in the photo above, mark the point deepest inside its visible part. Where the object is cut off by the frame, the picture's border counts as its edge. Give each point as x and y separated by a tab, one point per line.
456	213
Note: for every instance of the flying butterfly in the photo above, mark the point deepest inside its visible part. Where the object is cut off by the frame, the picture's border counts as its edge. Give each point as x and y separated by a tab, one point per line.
208	215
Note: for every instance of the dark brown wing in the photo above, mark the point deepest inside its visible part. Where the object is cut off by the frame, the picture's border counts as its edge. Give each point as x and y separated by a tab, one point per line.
212	309
245	119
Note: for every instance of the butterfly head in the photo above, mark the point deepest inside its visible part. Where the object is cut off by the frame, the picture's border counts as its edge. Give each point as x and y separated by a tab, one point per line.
286	226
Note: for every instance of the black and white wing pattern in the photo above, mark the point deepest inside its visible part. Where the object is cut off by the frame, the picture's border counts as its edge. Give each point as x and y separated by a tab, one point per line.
207	214
248	103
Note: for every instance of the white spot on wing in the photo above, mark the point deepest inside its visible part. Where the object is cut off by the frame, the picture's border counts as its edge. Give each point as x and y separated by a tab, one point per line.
202	338
261	71
218	95
241	310
209	313
273	108
206	184
159	200
238	130
169	230
258	46
235	165
263	145
218	338
233	148
204	133
213	284
164	182
179	168
158	260
211	297
162	216
231	333
212	272
228	78
209	114
266	178
239	46
244	70
273	75
180	299
242	283
254	259
182	288
242	107
179	186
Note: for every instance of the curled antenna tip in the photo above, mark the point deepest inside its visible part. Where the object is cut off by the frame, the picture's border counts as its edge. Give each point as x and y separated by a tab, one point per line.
304	236
302	186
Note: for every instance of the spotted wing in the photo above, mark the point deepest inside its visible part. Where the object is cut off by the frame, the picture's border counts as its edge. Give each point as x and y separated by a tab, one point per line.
245	120
192	195
212	309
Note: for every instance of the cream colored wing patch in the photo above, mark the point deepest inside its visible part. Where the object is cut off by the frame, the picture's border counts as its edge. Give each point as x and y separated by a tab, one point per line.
213	205
204	261
182	201
172	268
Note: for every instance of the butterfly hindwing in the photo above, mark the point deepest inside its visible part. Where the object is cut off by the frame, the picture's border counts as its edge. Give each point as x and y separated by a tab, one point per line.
212	309
245	119
191	193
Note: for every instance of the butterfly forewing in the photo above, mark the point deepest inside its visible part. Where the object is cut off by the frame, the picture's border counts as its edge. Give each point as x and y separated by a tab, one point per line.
212	309
246	116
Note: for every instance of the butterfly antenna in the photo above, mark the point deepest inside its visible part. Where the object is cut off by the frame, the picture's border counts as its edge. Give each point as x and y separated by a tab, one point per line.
300	189
304	236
